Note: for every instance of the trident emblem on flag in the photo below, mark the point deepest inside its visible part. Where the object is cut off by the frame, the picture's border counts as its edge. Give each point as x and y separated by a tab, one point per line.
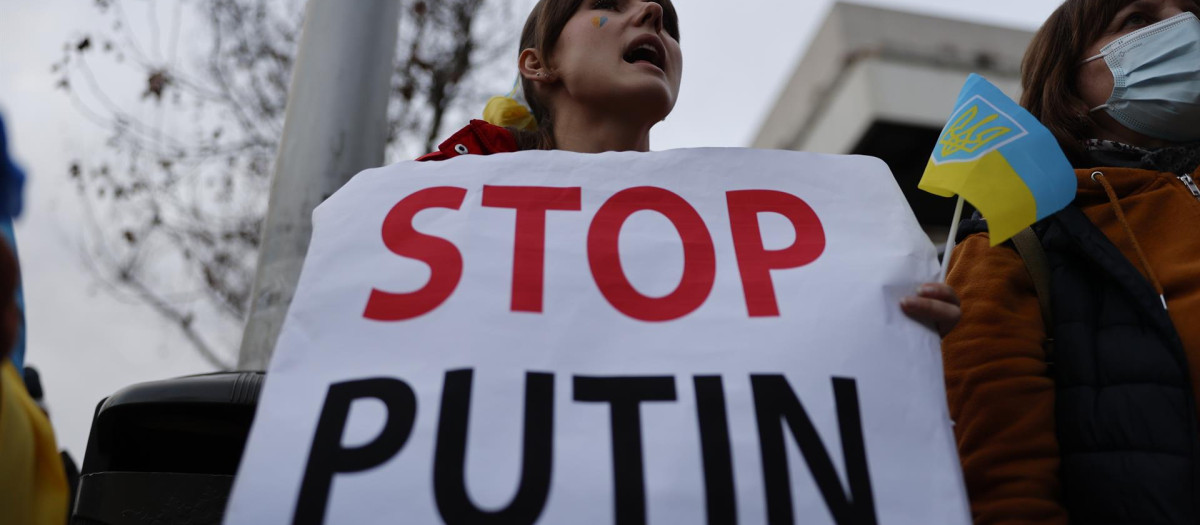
977	128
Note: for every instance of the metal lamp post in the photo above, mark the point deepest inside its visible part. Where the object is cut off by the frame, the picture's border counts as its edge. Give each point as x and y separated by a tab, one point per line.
335	126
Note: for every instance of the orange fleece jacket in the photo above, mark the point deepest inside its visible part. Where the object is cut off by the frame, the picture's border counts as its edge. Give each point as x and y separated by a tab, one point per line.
1000	397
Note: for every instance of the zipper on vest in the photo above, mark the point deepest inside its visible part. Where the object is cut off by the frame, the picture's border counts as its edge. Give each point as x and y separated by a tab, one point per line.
1191	185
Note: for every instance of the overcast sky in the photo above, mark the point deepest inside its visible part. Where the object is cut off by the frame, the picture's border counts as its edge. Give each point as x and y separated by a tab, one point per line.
88	342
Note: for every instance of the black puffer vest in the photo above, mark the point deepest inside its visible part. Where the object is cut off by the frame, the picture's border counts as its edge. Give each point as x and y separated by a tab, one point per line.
1126	420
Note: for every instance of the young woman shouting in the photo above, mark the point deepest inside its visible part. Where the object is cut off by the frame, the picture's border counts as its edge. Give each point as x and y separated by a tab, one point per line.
598	75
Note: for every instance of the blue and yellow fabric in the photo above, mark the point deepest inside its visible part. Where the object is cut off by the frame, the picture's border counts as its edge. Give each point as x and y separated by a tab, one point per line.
33	484
999	158
507	111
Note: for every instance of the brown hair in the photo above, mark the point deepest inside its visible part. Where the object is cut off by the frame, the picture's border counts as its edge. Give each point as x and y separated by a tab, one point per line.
1050	69
542	28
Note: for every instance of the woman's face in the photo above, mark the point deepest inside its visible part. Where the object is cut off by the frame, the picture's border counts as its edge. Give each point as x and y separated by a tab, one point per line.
616	55
1095	80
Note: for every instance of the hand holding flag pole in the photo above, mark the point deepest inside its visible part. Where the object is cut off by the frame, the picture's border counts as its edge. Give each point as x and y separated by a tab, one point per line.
998	157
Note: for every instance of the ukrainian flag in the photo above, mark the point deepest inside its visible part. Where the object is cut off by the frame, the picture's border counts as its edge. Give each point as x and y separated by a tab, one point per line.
999	158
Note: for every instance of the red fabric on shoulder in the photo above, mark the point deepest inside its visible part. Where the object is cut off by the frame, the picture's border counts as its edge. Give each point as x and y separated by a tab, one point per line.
476	138
435	155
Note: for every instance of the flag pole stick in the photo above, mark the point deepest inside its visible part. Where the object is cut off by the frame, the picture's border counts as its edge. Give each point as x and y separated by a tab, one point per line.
958	209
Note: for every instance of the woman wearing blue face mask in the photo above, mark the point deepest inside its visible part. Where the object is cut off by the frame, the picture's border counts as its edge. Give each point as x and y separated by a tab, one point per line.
1073	377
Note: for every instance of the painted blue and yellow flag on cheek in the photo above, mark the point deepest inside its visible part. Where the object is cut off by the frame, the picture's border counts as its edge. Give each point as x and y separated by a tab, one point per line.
999	158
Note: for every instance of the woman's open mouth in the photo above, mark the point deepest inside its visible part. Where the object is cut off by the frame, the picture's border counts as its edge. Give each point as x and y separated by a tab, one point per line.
648	49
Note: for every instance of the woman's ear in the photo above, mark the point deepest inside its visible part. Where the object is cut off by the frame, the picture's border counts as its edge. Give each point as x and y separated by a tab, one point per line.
534	68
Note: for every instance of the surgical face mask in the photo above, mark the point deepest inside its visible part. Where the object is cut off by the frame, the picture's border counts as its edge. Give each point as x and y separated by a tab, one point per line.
1156	73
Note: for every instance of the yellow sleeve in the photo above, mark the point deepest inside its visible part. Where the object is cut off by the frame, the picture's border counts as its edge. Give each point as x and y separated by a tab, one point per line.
33	484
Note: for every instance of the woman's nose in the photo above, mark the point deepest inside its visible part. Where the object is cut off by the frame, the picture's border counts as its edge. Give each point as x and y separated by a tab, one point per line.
652	14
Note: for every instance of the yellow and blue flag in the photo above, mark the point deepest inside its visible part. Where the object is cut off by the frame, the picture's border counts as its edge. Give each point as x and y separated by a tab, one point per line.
999	158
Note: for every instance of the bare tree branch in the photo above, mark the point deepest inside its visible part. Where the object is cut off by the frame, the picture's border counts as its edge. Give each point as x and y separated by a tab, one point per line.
184	321
180	194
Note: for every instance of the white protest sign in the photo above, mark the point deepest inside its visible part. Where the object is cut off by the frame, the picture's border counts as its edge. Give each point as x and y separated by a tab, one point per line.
690	336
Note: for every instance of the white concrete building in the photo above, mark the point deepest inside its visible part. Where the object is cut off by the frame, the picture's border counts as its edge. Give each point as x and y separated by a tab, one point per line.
880	82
